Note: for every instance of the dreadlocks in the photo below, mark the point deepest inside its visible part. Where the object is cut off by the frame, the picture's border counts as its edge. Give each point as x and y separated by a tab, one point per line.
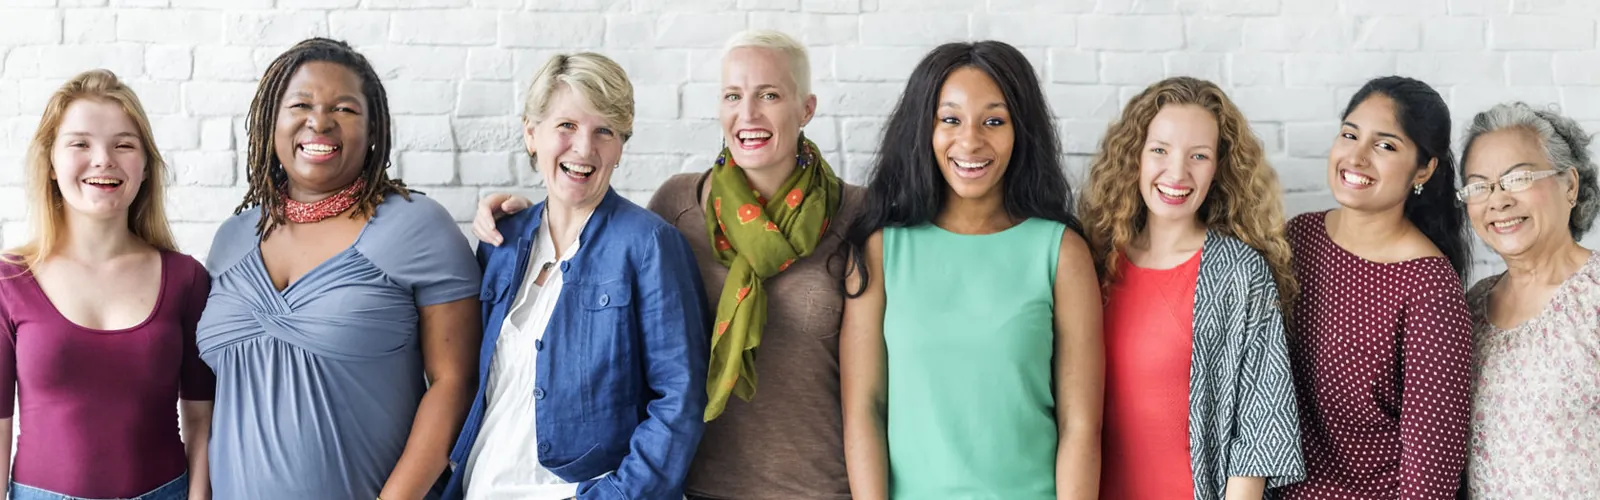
267	176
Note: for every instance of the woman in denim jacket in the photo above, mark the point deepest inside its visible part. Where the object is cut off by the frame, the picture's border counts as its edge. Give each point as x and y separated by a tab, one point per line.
593	366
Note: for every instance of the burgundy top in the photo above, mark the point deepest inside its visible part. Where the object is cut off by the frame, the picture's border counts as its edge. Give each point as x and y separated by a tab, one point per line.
1382	360
99	414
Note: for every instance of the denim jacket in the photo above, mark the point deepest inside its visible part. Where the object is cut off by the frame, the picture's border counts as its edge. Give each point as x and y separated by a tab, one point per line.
621	370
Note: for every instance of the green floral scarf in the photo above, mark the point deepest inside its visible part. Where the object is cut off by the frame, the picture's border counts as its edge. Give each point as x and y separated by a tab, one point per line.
756	239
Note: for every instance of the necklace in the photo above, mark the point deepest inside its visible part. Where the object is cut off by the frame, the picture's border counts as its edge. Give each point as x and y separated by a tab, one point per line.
306	213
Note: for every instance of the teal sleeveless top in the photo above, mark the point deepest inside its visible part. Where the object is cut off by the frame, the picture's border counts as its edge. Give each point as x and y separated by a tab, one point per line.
968	325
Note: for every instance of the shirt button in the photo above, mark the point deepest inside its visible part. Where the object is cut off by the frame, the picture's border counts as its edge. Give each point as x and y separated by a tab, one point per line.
538	345
544	447
565	266
538	394
605	299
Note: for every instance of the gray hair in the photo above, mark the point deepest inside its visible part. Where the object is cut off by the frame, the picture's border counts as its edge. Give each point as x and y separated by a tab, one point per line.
1566	146
791	49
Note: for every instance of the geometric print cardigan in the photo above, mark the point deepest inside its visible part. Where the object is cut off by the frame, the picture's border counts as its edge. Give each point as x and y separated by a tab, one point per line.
1242	415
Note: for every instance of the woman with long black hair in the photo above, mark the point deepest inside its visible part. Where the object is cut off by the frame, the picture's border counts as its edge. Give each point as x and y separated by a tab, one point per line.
1380	341
974	308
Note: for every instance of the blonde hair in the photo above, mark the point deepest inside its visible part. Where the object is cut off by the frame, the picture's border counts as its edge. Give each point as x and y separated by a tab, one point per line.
1244	202
601	82
799	59
147	216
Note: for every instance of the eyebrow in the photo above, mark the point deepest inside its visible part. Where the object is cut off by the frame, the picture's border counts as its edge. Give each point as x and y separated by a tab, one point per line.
1377	132
307	95
758	87
86	134
1507	171
992	105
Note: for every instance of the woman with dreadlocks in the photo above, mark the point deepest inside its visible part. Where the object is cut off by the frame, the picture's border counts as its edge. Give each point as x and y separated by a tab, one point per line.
343	315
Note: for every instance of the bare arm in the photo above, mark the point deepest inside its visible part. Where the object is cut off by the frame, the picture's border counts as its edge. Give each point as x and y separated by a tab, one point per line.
5	452
863	375
1079	371
196	418
1245	488
451	333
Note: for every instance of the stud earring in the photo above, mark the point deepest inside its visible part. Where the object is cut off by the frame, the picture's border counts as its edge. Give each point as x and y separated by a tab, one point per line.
1417	189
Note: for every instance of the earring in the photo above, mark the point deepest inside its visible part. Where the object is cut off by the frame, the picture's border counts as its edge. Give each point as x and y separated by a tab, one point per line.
801	152
1417	189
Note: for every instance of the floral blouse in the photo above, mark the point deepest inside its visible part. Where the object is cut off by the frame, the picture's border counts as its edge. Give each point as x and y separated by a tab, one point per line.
1536	396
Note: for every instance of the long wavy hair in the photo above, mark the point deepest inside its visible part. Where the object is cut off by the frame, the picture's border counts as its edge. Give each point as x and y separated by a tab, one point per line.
266	175
1244	201
1425	118
147	215
907	187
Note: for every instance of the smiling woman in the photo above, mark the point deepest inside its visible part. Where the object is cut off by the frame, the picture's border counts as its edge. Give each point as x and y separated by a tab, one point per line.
344	313
98	313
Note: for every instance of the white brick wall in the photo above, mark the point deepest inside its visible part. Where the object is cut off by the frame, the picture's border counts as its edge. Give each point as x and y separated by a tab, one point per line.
456	71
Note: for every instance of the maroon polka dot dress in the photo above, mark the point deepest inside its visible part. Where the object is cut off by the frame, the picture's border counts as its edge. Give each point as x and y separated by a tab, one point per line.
1382	361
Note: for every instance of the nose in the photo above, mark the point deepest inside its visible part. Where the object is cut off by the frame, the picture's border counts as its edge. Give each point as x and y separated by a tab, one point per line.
1499	199
318	121
100	156
583	144
749	108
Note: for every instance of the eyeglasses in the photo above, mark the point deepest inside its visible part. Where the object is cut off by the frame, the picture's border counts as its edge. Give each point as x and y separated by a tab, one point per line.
1478	192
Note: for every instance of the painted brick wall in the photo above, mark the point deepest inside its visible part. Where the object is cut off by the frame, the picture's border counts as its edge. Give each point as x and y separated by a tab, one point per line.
456	69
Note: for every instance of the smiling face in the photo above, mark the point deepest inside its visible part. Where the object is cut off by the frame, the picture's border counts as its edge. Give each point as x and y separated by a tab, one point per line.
576	150
98	160
762	110
321	135
1372	165
1178	162
1528	221
972	134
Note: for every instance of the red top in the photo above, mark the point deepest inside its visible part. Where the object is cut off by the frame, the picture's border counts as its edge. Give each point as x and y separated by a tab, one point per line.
1149	336
98	408
1382	357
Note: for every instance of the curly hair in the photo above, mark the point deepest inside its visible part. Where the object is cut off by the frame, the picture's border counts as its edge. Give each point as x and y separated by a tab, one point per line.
1244	202
1565	144
266	174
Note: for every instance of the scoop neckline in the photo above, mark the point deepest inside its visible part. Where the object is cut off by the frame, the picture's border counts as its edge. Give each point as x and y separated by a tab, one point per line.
155	310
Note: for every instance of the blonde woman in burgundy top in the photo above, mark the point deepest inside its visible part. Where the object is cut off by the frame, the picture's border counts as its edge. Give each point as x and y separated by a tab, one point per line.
1380	339
98	314
1530	193
1184	219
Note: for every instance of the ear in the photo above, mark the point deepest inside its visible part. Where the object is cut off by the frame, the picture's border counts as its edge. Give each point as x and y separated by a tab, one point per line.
810	109
527	135
1426	172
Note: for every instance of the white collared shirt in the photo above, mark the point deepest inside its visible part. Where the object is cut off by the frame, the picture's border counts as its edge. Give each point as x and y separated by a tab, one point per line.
504	462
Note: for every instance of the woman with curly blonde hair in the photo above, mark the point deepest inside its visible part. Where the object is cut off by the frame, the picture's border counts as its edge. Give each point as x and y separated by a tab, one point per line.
1183	217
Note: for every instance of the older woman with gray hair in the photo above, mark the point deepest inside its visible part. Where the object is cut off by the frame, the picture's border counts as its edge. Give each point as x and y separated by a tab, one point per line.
1530	193
593	365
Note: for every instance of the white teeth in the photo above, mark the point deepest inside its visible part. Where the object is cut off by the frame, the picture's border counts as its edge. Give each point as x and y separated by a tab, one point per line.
101	181
577	168
754	134
1176	193
319	149
970	166
1509	223
1356	178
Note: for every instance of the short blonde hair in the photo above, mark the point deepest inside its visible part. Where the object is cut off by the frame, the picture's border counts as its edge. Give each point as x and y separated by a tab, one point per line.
147	216
799	59
601	82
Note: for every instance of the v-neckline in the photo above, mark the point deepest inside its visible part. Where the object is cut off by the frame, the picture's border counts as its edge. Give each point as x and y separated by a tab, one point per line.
261	259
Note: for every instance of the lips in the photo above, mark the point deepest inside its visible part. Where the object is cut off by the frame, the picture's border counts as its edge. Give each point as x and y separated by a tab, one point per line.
103	183
1173	195
1506	226
749	139
576	171
970	168
1355	180
318	150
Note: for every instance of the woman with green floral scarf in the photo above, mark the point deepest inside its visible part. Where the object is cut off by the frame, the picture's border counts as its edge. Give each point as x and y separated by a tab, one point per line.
765	222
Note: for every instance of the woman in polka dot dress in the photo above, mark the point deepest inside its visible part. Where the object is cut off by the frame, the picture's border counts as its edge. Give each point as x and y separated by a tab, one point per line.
1380	339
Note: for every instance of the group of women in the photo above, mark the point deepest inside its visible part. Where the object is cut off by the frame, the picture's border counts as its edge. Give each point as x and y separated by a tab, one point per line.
958	328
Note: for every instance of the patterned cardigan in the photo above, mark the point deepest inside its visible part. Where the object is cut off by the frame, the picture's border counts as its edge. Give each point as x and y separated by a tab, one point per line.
1242	415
